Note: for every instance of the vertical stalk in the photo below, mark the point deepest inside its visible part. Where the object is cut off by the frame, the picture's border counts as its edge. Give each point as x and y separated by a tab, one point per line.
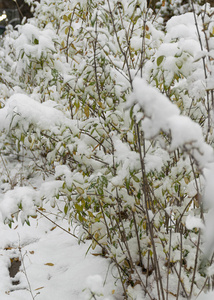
181	258
143	47
146	204
120	46
138	240
168	267
195	266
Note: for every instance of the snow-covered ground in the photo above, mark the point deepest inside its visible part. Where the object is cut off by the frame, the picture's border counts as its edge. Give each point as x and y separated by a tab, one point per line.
53	265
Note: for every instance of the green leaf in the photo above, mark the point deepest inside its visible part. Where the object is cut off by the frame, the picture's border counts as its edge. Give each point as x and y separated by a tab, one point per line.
90	214
88	249
36	41
179	64
80	218
65	209
135	178
176	187
159	60
22	138
27	222
105	180
127	184
78	207
139	194
100	191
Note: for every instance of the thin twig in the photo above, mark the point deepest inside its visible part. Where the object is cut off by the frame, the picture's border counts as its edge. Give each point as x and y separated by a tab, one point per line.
25	272
59	225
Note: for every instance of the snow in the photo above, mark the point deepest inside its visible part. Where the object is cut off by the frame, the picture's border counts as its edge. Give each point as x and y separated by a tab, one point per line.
181	26
194	222
18	196
22	107
57	267
55	264
161	114
34	41
207	296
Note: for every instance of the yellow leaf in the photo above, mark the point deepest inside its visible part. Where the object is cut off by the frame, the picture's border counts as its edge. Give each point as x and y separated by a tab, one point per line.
49	264
86	110
65	18
93	244
53	228
102	105
32	144
80	190
72	45
134	209
173	294
113	291
34	217
90	214
66	30
41	209
186	179
96	235
97	254
144	225
42	287
126	263
9	248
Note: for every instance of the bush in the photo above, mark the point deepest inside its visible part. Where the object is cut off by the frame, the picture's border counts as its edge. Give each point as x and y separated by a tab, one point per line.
117	112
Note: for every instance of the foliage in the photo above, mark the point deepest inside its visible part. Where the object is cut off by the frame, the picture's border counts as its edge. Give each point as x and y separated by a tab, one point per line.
113	112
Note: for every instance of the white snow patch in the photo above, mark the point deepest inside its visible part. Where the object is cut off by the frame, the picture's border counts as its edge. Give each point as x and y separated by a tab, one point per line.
194	222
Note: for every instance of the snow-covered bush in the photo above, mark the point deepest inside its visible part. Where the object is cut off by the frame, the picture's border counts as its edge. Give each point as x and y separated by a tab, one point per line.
115	116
